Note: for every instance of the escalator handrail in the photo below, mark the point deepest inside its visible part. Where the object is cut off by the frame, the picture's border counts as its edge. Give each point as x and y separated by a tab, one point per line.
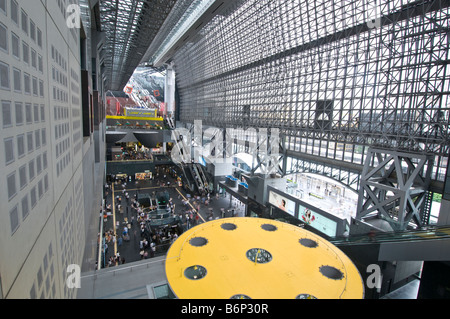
395	236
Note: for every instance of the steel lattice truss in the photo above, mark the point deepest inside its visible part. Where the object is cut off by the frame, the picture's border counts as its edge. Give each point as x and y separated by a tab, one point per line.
130	27
336	77
394	185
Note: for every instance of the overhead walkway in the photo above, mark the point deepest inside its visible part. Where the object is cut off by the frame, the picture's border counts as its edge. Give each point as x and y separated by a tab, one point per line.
422	245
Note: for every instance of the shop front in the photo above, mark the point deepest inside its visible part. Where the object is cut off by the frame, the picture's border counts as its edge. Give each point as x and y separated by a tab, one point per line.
147	175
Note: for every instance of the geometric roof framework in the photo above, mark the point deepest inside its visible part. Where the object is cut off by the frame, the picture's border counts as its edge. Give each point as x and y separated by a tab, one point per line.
130	27
255	258
394	184
333	81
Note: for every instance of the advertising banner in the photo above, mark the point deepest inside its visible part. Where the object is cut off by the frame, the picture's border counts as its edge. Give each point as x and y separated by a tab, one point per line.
282	203
317	221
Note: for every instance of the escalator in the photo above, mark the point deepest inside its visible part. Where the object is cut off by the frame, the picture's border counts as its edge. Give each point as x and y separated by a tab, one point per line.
203	177
432	243
188	178
197	179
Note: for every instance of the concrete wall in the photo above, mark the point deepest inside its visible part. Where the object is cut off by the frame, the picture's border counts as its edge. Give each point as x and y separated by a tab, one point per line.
37	244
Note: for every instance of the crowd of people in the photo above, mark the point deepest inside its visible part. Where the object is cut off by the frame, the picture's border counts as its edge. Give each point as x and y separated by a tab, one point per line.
139	232
134	221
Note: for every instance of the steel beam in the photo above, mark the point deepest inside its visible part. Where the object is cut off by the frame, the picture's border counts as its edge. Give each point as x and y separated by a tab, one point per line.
333	83
395	188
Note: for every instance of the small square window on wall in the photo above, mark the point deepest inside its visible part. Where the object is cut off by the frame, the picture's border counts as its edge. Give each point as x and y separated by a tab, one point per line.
35	86
39	37
11	184
31	172
33	197
25	207
9	150
27	83
32	30
3	7
14	217
20	145
23	176
4	76
15	12
43	137
37	138
3	38
28	113
6	114
19	113
42	113
15	45
30	144
36	113
17	80
33	59
38	164
40	64
41	88
25	52
24	22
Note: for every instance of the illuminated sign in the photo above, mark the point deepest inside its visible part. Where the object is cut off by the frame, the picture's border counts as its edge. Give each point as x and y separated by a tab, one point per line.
140	113
282	203
317	221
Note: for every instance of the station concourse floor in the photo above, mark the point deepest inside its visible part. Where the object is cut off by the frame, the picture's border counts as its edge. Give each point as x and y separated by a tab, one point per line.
134	279
130	250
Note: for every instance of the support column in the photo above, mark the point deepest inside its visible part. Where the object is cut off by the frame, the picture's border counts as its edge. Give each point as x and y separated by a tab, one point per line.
169	93
394	187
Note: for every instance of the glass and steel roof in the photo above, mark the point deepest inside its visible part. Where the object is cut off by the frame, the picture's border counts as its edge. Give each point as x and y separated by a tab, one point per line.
141	32
183	17
130	27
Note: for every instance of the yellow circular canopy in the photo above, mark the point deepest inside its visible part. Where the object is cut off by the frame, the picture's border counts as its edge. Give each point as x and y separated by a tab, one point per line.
259	259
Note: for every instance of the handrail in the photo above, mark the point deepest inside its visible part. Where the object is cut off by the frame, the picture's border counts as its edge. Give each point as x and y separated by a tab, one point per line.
123	267
435	232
